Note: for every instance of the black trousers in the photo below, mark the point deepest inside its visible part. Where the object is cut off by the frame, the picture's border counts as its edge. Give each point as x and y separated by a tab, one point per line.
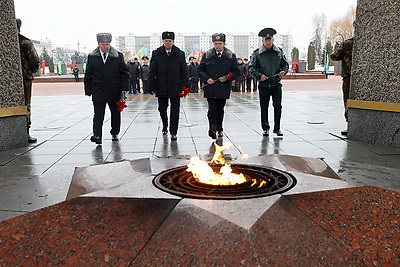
215	113
99	111
194	86
173	114
249	81
145	90
265	93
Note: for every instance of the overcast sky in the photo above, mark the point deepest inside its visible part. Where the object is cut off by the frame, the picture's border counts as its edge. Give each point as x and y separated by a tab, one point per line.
67	22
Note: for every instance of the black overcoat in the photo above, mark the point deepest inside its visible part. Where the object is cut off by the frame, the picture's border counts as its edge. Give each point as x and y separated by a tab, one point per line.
106	81
167	73
211	66
192	68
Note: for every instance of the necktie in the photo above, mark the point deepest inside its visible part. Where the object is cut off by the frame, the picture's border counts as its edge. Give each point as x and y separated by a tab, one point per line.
104	56
219	54
168	53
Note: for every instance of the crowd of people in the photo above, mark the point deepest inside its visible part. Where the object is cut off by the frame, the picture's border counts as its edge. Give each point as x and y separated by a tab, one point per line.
139	71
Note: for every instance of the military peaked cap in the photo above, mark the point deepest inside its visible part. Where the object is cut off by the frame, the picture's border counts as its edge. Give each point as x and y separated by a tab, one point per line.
267	33
218	37
104	37
19	22
145	57
168	35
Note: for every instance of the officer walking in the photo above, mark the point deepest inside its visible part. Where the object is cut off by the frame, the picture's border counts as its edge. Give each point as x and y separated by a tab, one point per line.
105	79
268	65
30	64
217	69
168	74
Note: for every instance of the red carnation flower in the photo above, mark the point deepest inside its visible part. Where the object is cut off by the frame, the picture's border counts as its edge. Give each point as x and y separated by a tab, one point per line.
185	91
121	104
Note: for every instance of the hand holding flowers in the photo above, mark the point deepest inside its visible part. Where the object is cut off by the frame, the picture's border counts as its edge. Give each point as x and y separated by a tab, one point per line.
121	104
185	91
220	79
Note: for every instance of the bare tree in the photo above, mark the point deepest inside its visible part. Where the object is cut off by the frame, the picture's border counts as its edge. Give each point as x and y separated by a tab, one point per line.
342	28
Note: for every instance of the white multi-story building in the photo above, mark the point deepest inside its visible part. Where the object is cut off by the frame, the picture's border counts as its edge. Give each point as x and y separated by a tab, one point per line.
242	44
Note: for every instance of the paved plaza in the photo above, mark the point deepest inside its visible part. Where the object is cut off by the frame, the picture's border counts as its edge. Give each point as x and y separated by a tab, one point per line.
39	175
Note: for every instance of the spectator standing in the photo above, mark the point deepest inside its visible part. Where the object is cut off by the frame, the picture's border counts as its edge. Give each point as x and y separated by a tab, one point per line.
239	81
249	78
193	76
30	64
75	71
144	73
134	74
344	52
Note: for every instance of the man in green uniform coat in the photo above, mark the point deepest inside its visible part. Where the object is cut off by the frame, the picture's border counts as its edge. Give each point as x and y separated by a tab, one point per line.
268	65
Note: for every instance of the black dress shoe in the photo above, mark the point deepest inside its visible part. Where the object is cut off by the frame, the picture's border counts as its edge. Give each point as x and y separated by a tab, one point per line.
220	134
344	132
265	133
212	134
164	131
278	133
114	137
31	139
96	139
174	137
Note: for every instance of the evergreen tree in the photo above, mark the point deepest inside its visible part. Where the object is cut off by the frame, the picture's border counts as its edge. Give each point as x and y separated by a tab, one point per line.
51	65
45	56
311	57
295	54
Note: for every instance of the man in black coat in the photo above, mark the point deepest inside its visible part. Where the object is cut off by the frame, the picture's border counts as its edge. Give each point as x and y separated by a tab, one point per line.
213	70
144	73
134	75
168	74
106	78
193	75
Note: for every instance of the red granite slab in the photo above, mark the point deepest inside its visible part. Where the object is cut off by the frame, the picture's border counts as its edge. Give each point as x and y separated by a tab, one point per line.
82	231
284	236
191	236
365	220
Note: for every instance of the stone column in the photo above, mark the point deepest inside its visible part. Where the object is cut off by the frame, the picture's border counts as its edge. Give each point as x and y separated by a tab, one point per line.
13	131
374	105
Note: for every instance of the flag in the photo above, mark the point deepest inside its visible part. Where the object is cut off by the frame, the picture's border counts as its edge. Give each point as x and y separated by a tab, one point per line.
43	66
140	53
59	67
127	55
327	63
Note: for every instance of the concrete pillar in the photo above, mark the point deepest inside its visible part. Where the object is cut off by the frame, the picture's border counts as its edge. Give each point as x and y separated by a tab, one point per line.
374	105
13	132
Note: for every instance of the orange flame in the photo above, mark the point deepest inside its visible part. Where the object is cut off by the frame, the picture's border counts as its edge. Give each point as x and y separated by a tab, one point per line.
205	174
